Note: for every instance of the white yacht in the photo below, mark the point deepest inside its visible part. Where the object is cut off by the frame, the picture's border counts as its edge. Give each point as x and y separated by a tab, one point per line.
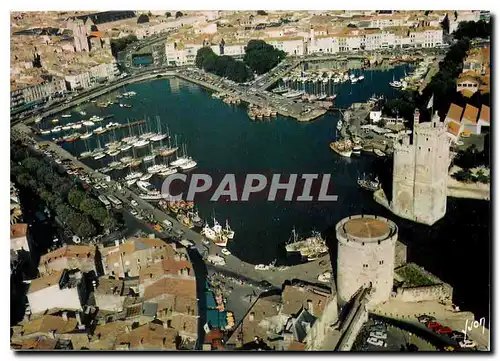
141	143
99	156
157	168
190	164
146	176
169	171
86	135
76	126
133	175
125	147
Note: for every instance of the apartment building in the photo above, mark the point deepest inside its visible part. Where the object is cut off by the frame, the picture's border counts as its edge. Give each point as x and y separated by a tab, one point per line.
32	94
60	290
68	257
91	77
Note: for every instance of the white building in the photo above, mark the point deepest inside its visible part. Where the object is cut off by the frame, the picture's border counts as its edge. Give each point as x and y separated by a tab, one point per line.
63	289
293	46
95	75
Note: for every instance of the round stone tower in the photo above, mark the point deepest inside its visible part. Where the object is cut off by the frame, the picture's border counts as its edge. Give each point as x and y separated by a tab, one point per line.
366	247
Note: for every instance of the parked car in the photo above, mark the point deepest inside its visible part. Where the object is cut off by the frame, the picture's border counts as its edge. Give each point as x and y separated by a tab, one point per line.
425	319
433	325
225	252
457	335
448	348
443	330
376	342
379	334
467	343
133	202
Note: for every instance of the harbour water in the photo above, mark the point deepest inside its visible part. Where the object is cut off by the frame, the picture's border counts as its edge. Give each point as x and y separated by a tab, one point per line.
222	139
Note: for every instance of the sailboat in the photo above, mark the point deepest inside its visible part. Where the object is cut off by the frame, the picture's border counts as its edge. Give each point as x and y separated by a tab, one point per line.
168	151
87	152
99	151
159	136
179	161
150	156
141	142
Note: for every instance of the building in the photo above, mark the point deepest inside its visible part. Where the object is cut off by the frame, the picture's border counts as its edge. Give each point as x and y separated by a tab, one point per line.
60	290
468	83
80	35
77	80
469	119
484	118
280	321
453	122
151	337
108	294
68	257
19	237
420	172
291	45
126	259
33	94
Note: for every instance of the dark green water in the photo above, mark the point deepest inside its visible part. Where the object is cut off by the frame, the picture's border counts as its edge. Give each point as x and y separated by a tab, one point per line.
222	139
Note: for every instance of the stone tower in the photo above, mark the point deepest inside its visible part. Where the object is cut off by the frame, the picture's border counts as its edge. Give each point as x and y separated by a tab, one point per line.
366	251
420	172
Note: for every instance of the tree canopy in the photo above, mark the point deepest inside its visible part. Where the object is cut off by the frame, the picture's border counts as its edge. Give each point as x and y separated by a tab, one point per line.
143	18
262	57
473	29
224	66
178	14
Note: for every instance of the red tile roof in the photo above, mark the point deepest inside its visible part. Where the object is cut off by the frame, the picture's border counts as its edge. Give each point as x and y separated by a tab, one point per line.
470	114
454	128
18	230
455	112
485	113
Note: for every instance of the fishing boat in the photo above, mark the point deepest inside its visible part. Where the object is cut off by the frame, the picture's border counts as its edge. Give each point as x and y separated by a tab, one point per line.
47	131
228	232
371	185
339	124
66	116
357	149
342	147
361	77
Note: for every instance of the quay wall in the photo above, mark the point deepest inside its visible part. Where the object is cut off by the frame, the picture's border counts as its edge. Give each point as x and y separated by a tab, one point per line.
440	293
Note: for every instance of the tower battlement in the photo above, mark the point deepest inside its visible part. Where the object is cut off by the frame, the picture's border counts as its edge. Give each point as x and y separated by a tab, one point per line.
420	172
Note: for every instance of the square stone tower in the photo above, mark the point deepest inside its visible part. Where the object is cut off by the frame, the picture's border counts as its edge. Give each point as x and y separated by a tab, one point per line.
420	172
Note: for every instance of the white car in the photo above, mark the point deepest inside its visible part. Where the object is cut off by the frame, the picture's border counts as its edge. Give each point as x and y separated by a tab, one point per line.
379	335
225	252
467	344
134	203
376	342
261	267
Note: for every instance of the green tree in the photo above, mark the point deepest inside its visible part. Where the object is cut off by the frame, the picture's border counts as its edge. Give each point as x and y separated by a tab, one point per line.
168	14
178	14
109	223
143	18
261	12
75	197
262	57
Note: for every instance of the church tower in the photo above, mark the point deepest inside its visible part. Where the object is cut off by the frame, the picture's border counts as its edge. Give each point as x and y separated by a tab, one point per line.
420	172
